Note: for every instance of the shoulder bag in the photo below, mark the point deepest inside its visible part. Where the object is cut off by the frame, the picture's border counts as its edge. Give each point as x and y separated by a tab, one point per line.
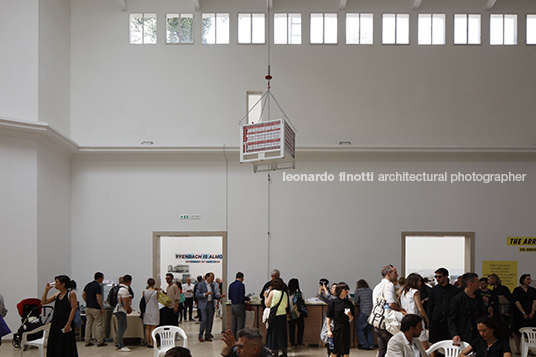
270	313
182	298
302	308
77	320
143	303
385	319
164	299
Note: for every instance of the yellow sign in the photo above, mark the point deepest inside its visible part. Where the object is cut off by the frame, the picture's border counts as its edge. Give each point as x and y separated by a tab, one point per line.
521	241
506	270
527	249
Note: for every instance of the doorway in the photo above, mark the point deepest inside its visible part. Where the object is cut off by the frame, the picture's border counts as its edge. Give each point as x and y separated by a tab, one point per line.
189	254
424	252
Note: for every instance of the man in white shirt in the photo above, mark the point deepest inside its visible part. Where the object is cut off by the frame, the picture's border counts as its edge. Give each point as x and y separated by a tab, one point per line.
188	290
121	310
406	342
386	288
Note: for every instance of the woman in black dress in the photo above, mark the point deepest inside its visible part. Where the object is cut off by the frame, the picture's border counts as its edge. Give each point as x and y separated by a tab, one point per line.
276	336
490	343
295	318
61	340
341	312
524	297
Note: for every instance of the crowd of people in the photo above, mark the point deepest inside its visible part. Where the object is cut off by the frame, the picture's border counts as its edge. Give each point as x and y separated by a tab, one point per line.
157	310
470	312
467	311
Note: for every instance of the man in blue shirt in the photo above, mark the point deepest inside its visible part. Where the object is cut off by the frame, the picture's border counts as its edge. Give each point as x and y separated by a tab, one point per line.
237	295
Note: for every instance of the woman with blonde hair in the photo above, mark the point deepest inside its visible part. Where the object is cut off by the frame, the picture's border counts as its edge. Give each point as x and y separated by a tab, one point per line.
151	316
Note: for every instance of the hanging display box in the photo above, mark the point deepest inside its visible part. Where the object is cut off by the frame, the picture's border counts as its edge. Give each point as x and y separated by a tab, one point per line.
270	140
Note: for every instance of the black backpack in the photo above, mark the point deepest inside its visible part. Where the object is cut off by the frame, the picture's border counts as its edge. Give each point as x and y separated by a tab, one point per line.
111	299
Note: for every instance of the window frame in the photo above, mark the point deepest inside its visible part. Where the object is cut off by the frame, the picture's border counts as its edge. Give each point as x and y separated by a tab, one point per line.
397	14
432	17
360	14
251	27
504	30
288	28
467	15
469	255
324	28
527	30
179	17
143	16
250	104
216	28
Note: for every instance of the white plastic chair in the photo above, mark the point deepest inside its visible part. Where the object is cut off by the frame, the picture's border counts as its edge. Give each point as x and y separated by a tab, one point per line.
449	350
167	337
528	340
39	343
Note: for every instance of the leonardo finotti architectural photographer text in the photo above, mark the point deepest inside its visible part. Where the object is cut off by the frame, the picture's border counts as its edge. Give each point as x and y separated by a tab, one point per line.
405	177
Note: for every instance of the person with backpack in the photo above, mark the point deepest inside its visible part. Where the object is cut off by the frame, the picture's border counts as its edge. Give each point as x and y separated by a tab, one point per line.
122	308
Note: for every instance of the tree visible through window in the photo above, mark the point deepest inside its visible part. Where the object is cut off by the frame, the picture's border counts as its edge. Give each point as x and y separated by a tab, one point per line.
215	29
179	28
142	29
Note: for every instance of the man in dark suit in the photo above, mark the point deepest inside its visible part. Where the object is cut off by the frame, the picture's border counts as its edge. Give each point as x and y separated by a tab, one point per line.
207	294
465	308
439	306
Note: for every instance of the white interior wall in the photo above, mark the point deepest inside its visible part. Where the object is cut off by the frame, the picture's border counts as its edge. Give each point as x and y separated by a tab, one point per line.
342	231
378	95
118	205
179	95
53	215
18	228
54	63
19	59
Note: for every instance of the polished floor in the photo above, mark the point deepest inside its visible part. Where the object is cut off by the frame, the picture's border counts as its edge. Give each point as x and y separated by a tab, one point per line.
198	349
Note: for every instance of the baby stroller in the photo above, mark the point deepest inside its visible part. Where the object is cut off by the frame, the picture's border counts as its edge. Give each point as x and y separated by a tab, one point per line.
33	315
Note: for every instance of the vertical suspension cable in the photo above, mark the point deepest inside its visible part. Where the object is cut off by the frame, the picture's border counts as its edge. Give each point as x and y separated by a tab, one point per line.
268	221
267	106
268	77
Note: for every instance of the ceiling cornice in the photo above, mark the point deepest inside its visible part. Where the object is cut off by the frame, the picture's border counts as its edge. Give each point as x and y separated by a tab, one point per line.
45	133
